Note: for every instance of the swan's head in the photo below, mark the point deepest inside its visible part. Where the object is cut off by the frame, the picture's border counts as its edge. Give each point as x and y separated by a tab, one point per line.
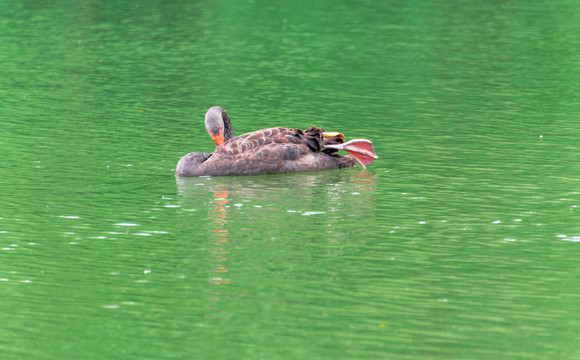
218	125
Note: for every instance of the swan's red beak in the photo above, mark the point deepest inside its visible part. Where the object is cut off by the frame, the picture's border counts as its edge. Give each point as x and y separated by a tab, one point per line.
219	139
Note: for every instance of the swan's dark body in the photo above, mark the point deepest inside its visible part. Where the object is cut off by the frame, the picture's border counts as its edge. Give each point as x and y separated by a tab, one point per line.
268	151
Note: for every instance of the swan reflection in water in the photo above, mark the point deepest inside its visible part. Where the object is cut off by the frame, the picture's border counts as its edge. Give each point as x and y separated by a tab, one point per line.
323	190
226	214
221	237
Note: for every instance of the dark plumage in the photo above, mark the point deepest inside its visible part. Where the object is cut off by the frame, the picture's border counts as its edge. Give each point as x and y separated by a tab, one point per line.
268	151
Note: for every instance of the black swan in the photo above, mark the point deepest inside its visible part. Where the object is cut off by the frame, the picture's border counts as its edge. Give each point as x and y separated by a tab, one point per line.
271	151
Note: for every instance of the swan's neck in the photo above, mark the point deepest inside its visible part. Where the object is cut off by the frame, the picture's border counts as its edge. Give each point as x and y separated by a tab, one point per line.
228	131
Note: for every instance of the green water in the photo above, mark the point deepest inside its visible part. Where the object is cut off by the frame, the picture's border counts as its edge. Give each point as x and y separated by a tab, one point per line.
460	242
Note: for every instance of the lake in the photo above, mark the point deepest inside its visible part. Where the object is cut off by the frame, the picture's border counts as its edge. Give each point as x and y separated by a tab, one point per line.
460	242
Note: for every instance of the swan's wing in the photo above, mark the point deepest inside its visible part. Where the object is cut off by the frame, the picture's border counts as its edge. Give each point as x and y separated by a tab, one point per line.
273	143
272	151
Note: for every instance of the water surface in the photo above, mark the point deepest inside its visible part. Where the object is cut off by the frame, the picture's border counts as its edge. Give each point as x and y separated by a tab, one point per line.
460	242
